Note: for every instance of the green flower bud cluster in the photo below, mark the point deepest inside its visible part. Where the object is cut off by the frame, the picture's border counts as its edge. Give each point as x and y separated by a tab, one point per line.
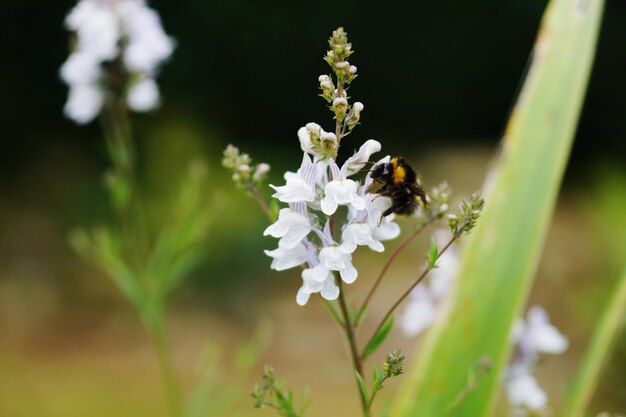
270	393
438	204
469	212
335	94
394	363
243	171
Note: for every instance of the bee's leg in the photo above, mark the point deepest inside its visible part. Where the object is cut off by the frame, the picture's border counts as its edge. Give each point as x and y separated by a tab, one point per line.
386	213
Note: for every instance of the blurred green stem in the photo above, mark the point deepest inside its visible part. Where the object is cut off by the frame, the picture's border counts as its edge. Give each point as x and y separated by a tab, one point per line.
156	328
408	291
354	350
598	352
388	264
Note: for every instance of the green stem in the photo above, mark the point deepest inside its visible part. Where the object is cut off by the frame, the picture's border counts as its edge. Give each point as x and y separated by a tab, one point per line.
388	264
170	382
598	352
408	291
357	364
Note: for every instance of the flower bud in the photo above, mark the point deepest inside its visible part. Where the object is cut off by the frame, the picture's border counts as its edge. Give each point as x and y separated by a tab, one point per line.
327	87
340	107
355	115
260	173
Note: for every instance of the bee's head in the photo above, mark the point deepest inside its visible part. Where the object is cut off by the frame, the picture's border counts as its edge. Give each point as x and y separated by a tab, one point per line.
381	173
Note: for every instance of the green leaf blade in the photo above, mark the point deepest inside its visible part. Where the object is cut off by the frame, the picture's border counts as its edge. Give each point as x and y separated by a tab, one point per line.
502	254
377	340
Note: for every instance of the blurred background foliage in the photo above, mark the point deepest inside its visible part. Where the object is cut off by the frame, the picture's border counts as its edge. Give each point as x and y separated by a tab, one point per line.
437	80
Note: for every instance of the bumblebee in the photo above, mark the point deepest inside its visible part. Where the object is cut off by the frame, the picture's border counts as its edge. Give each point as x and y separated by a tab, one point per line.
401	184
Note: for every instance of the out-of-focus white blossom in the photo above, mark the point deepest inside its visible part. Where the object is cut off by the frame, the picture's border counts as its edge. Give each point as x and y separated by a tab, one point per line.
524	391
84	103
419	313
106	30
426	299
144	95
531	337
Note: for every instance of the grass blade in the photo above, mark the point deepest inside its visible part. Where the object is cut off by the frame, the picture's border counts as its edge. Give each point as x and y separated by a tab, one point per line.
598	353
501	255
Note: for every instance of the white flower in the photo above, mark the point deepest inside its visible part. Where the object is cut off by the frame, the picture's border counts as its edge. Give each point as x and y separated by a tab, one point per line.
357	161
300	187
419	313
524	391
149	45
144	95
105	30
341	192
537	335
533	336
306	135
426	299
333	259
284	258
291	227
387	230
327	287
83	103
97	27
80	68
359	234
294	191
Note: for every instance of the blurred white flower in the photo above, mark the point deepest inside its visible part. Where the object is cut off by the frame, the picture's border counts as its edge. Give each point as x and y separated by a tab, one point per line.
419	313
531	336
106	30
81	68
144	95
524	391
84	103
427	298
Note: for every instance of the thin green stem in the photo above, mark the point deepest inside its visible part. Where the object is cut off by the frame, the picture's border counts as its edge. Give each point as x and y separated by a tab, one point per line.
168	375
262	204
357	364
387	265
408	291
339	123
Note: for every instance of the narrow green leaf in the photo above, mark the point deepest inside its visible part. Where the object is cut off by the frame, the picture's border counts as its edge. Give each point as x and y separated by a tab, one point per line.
274	208
377	340
502	253
433	254
358	320
363	387
597	353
